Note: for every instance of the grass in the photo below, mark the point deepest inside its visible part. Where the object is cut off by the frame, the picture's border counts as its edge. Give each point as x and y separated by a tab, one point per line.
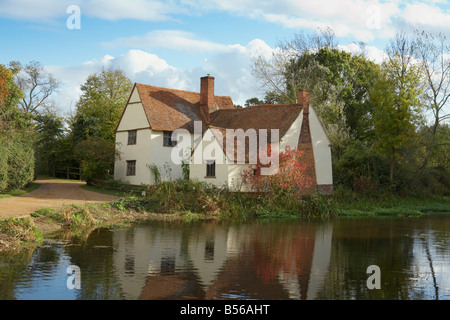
192	201
352	204
18	192
17	234
114	192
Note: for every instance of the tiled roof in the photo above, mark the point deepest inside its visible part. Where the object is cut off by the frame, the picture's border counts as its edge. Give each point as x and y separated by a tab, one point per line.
170	109
266	116
259	117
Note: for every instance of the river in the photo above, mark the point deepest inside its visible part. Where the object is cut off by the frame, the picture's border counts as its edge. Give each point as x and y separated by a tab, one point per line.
342	259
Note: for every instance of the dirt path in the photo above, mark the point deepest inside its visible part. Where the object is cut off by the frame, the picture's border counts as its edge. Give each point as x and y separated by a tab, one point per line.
51	194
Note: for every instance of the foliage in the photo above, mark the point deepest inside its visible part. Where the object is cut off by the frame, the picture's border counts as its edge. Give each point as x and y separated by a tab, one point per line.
154	170
373	112
289	180
100	106
97	158
92	128
193	199
359	167
50	134
396	96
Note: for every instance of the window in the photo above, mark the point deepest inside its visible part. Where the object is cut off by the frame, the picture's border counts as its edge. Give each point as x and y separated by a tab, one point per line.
168	139
210	168
131	168
132	134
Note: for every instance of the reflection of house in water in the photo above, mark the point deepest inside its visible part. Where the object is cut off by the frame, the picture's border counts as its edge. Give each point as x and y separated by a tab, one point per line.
210	261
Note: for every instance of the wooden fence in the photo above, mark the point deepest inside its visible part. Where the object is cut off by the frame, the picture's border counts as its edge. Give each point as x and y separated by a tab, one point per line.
68	173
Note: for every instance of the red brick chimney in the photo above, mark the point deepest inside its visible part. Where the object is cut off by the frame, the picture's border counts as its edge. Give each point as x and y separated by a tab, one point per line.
207	103
303	99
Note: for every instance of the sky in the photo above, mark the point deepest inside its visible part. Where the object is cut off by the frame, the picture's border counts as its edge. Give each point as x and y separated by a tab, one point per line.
174	43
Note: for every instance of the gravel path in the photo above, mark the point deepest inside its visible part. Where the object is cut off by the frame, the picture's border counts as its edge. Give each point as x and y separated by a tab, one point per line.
50	194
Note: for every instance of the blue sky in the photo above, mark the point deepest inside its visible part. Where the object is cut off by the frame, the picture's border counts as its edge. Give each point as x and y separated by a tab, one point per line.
174	43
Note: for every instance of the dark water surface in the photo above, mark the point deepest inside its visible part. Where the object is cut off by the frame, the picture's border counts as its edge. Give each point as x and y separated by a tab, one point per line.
245	260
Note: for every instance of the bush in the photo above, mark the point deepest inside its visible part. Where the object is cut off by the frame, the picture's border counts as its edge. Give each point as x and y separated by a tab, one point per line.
16	164
97	158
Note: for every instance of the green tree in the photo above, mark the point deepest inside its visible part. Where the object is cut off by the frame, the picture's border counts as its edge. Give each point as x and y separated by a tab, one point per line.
101	103
50	132
253	102
16	135
396	96
99	108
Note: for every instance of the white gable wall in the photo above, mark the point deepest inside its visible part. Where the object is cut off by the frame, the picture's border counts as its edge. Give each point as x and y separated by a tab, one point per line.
322	150
133	118
292	136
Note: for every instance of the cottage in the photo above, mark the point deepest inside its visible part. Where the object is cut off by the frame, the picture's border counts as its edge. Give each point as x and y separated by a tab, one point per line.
162	128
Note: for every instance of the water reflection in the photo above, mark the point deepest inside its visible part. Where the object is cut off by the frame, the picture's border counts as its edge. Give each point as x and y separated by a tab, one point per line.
254	260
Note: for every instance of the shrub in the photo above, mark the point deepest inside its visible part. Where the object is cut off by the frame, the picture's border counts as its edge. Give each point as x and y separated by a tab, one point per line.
290	179
16	164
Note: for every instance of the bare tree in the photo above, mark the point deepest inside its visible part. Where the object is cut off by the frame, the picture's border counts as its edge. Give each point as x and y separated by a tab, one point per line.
37	85
434	53
278	73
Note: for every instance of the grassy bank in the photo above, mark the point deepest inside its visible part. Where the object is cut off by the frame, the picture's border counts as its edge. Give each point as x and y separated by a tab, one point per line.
191	201
354	204
30	187
70	222
192	198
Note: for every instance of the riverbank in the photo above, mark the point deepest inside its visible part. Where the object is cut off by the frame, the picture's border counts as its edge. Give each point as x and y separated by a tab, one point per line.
188	201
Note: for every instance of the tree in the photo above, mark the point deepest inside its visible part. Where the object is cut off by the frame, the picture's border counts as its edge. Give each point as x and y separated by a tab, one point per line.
50	132
101	103
99	108
396	96
253	102
16	136
36	84
278	75
433	51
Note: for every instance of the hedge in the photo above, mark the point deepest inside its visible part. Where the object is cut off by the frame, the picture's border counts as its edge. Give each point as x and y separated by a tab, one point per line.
16	164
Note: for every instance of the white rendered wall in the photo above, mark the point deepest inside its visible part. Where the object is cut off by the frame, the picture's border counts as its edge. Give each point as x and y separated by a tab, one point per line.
322	149
292	136
161	156
134	116
201	154
139	152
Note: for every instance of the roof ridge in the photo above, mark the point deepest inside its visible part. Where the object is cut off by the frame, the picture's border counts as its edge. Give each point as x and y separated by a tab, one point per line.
169	89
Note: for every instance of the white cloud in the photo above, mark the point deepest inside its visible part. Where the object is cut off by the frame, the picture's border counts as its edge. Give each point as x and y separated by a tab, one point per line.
231	69
425	15
46	10
362	19
170	39
370	52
